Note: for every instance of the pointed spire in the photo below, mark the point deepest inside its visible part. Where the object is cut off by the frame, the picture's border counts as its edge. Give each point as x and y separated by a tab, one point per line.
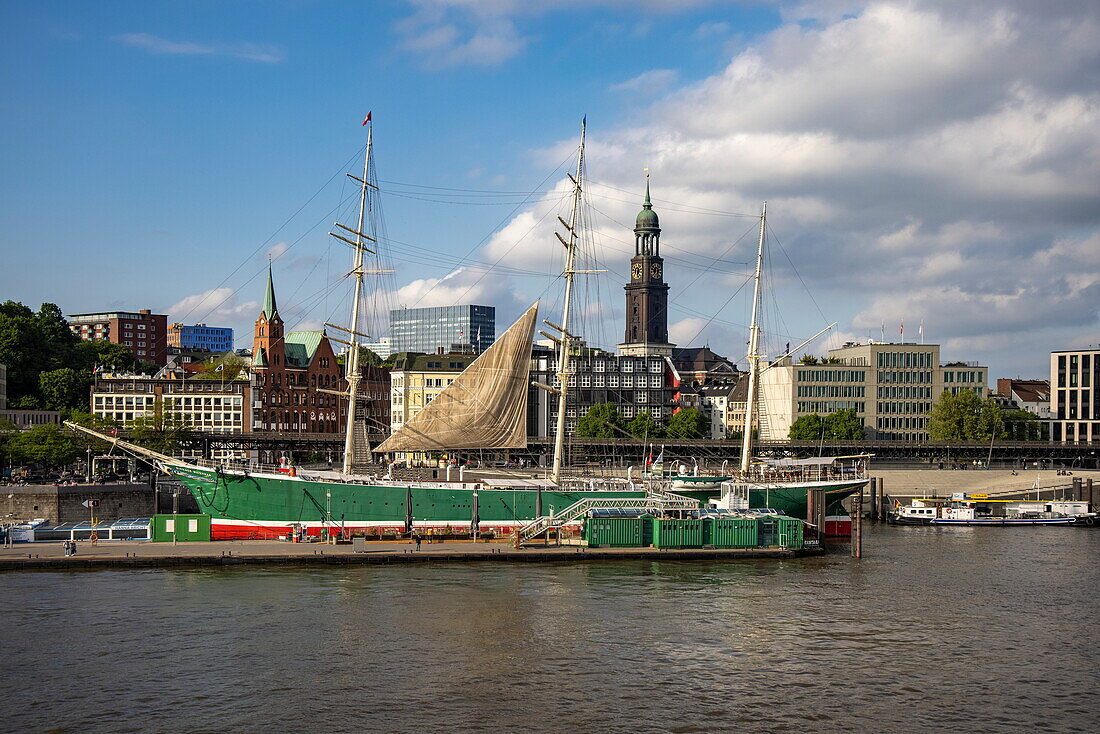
647	204
647	218
270	309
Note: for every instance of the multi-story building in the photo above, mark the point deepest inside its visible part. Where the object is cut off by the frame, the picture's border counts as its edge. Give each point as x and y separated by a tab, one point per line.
703	366
290	372
218	406
446	328
1075	398
631	383
201	336
145	332
1030	395
890	386
416	379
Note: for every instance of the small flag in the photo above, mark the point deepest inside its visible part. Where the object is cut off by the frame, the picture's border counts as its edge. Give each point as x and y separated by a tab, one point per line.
98	369
920	329
366	119
219	368
660	456
649	460
788	349
902	329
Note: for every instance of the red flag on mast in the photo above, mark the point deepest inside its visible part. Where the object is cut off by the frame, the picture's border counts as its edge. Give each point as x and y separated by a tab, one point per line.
366	119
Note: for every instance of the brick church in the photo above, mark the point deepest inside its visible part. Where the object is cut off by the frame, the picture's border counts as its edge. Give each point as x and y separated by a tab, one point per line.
288	369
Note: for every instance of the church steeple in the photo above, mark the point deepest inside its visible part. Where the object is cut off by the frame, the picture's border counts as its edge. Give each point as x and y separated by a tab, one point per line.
270	309
646	293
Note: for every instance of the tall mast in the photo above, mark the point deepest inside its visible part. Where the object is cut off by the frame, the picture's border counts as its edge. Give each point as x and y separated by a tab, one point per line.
567	338
353	343
754	349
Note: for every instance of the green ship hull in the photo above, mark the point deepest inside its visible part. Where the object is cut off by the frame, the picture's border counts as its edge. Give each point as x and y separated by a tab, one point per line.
244	505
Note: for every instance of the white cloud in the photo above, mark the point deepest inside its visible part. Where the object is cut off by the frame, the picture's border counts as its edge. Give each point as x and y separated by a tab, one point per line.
654	80
214	303
162	46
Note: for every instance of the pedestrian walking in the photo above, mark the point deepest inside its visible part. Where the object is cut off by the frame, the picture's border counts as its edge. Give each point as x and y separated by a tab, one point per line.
418	541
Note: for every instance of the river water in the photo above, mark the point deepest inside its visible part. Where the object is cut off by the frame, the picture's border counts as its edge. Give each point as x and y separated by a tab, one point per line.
955	629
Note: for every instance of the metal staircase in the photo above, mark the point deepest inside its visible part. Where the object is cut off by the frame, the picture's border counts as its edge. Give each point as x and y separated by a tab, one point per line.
657	501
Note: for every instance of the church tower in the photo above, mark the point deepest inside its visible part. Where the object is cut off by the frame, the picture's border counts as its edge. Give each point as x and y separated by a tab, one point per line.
647	292
267	341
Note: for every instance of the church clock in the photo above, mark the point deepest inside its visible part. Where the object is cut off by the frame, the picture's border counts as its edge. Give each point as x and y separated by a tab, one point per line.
655	271
636	271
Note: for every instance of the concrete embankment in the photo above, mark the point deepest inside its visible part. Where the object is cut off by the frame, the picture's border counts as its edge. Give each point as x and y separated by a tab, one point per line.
144	555
943	482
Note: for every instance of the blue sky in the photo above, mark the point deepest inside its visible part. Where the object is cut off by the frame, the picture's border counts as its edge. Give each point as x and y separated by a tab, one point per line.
923	161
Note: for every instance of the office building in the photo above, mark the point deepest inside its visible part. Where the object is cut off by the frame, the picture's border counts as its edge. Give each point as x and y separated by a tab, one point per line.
201	336
1074	398
443	329
890	386
145	332
218	406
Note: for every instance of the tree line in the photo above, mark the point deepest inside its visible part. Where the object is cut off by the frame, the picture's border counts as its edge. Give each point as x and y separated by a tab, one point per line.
49	367
604	420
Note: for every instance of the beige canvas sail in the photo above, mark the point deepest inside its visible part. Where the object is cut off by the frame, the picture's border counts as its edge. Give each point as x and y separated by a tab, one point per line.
485	407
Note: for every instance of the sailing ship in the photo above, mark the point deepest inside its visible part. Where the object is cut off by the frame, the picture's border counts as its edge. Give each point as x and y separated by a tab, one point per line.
485	407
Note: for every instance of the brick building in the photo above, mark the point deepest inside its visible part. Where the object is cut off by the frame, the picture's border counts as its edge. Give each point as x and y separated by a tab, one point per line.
289	370
145	332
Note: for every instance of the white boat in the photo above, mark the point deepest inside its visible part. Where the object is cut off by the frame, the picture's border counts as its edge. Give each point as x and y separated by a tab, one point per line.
977	511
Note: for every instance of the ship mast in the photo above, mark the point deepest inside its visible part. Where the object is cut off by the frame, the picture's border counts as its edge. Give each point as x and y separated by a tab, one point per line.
564	344
359	244
754	349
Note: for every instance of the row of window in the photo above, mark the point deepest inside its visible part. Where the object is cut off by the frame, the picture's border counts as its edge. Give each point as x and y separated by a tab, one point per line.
829	406
895	377
828	375
904	407
905	359
903	423
587	379
907	391
963	376
830	391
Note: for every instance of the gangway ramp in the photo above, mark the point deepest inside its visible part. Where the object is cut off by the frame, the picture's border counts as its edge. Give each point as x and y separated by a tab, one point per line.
654	502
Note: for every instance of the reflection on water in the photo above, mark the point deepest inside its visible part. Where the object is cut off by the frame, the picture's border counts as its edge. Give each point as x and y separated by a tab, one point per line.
950	629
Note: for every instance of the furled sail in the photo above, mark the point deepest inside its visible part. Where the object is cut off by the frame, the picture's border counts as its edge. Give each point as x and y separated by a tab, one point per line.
485	407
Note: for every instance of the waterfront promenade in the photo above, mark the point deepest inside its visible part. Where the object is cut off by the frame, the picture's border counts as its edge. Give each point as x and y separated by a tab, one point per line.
145	554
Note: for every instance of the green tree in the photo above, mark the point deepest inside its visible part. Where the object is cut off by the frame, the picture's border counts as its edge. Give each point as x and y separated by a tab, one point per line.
232	365
601	421
807	428
844	425
22	349
49	445
87	355
64	389
58	340
808	359
162	431
1021	425
688	423
963	416
643	426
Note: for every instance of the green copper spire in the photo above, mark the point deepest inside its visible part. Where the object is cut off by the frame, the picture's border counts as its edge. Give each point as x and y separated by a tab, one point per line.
270	309
647	218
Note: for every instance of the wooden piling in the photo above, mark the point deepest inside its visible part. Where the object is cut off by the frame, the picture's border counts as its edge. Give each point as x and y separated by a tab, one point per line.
883	507
1077	494
874	494
857	525
1092	494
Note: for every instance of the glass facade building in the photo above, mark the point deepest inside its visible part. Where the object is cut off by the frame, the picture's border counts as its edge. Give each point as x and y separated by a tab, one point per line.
429	329
201	336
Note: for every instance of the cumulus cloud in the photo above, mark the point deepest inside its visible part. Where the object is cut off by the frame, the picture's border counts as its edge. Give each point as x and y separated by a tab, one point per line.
217	303
266	54
654	80
922	158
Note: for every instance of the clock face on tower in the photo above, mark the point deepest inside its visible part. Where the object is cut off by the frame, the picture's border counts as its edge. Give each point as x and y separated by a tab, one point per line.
636	271
655	271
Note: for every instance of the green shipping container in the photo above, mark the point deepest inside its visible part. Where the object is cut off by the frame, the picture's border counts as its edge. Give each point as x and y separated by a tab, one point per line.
786	532
618	532
180	527
731	532
677	533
